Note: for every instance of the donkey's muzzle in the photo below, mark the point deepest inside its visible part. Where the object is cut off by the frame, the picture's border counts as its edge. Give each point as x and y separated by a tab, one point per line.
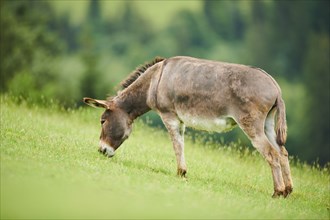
106	149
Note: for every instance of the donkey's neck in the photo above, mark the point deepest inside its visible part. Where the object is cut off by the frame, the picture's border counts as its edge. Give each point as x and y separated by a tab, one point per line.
133	99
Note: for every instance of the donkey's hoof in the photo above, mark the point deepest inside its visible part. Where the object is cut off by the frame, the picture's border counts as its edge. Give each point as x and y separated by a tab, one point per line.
283	193
288	190
277	194
182	172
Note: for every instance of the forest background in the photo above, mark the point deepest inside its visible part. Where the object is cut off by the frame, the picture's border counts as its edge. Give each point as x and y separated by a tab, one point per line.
60	51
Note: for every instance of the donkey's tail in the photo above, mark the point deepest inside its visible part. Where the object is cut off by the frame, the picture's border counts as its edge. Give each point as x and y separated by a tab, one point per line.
281	128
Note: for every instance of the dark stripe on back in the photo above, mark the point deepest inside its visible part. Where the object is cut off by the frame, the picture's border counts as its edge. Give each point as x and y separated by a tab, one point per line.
138	72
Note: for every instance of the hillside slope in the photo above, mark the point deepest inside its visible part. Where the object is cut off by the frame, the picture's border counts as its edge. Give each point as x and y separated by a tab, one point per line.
50	168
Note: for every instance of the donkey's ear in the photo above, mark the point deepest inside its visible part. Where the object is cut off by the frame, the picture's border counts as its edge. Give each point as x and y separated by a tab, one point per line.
96	103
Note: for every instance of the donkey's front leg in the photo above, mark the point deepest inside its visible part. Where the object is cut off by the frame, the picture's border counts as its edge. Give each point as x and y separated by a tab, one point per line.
176	129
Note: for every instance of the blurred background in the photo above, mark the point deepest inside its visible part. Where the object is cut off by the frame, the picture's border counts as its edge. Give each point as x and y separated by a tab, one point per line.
65	50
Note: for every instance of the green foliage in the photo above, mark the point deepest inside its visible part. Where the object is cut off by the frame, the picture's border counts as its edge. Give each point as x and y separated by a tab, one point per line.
28	45
226	19
190	32
295	104
50	169
316	114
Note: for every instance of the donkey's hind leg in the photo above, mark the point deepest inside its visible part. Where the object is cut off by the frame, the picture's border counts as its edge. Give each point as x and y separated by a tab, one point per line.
273	157
254	129
286	171
284	161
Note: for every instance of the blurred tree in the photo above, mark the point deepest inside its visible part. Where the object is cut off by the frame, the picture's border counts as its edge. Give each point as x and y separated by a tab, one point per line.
66	32
89	80
278	34
319	16
94	12
94	20
28	45
124	36
257	41
131	22
316	128
90	36
191	33
226	18
133	32
290	28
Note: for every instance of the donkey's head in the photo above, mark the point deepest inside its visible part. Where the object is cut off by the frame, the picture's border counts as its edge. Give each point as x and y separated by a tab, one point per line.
116	125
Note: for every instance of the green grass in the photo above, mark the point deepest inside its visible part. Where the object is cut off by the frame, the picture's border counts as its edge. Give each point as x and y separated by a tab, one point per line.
50	168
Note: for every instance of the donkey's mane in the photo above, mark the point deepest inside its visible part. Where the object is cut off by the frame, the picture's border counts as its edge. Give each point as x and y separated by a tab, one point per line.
138	72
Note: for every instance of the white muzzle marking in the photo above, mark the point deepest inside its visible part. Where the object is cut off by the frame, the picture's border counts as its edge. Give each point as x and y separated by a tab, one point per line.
107	149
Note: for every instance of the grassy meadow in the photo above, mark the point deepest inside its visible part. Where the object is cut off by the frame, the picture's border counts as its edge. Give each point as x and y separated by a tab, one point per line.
50	169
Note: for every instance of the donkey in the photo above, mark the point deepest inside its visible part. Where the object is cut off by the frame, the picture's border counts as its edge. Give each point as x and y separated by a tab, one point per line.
206	95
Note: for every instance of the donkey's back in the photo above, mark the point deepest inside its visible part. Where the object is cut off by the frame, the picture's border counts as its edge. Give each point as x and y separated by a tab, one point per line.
196	88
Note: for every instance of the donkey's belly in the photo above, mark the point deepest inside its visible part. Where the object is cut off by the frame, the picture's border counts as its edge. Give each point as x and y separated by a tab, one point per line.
220	124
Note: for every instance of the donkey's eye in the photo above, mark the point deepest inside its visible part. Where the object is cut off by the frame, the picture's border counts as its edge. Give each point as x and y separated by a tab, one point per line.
102	121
